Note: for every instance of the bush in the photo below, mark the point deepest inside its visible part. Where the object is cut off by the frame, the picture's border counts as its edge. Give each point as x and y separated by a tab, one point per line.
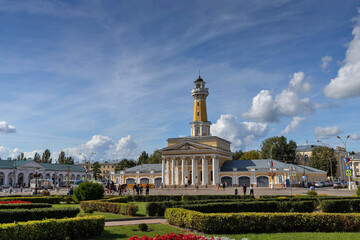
236	223
25	206
311	193
45	193
70	228
340	206
115	199
23	215
88	191
89	210
160	198
358	191
120	208
50	199
143	227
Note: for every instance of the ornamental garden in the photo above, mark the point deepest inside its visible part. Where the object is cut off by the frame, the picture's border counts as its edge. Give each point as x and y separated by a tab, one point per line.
84	215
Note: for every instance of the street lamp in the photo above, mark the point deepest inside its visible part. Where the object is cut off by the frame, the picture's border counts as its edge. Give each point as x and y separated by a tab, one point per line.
346	155
87	162
271	165
36	180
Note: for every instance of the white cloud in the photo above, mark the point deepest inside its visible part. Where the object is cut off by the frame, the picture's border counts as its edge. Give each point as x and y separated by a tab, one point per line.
13	153
347	82
6	128
325	62
327	132
296	83
265	109
354	137
240	134
105	149
293	125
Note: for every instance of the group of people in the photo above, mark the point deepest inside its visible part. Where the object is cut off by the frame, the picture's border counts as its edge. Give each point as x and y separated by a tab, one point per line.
244	188
139	189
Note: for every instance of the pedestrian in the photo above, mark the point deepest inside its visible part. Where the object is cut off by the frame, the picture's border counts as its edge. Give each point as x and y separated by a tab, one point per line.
197	186
147	189
137	188
134	188
244	189
236	191
252	189
223	185
218	187
10	190
141	189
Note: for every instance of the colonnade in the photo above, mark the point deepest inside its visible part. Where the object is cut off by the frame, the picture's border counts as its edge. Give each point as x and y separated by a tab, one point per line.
175	169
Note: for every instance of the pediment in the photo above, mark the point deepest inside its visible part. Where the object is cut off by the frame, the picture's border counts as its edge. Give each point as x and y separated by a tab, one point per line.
188	146
31	164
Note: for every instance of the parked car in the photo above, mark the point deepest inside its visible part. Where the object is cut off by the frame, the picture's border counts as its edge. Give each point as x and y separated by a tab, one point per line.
307	184
319	184
339	184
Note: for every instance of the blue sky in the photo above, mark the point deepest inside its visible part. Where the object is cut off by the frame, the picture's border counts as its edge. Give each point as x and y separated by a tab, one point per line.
115	77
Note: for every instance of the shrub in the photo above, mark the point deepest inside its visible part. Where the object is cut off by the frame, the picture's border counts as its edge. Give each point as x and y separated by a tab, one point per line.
311	193
340	206
358	191
115	199
88	191
13	202
89	210
231	223
143	227
23	215
160	198
70	228
25	206
121	208
45	193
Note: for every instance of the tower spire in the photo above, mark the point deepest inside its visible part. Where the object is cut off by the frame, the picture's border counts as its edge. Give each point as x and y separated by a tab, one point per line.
200	126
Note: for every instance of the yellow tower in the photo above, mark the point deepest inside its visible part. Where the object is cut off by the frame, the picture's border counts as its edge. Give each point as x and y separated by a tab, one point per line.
200	125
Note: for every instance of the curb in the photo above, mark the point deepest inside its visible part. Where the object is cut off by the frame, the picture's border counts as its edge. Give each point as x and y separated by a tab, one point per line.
132	219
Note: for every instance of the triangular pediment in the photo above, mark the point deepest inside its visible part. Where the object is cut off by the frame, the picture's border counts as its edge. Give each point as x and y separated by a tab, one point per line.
188	146
31	164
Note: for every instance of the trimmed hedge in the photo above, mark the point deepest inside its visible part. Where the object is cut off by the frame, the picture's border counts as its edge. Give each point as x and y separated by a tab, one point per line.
115	199
158	209
23	215
120	208
235	223
25	206
340	206
160	198
70	228
52	200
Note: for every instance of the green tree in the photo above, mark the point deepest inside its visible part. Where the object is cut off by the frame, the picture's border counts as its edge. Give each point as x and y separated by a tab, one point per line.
37	157
96	170
88	191
155	157
143	158
279	149
21	157
61	159
237	155
46	156
124	164
69	160
322	157
250	155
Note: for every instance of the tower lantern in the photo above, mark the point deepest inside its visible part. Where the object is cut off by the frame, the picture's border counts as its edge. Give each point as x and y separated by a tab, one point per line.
200	125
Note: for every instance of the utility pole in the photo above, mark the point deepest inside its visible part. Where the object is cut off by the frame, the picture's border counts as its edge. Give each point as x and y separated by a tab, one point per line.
346	154
87	163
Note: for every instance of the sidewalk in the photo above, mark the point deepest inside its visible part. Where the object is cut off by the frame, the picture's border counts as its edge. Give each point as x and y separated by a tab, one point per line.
133	221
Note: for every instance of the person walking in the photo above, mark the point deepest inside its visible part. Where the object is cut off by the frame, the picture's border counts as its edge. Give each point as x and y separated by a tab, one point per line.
244	189
147	189
236	191
251	190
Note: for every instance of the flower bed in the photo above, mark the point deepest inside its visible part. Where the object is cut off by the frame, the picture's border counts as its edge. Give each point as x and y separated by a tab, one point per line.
13	202
171	236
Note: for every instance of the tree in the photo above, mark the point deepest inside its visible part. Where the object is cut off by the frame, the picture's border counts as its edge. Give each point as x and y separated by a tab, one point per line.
37	157
123	164
143	158
253	154
46	156
88	191
96	170
278	149
21	157
155	157
69	160
322	157
237	155
61	159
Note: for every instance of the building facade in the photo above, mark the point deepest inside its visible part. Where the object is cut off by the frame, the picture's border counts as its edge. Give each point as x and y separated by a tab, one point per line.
20	173
106	168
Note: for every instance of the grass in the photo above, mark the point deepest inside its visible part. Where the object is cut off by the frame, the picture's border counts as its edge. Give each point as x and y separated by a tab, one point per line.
125	232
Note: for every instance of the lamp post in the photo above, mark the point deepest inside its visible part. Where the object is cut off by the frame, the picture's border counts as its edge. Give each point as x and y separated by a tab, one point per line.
346	155
271	165
87	162
36	180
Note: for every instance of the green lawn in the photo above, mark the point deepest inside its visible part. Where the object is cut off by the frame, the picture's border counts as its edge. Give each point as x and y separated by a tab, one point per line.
125	232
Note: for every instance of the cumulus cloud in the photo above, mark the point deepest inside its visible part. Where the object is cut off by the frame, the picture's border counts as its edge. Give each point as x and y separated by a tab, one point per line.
265	108
354	137
327	132
293	125
240	134
6	128
347	82
297	83
13	153
105	148
325	62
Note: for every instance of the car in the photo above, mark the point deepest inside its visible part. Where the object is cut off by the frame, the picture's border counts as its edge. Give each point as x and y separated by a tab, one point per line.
323	183
338	184
307	184
319	184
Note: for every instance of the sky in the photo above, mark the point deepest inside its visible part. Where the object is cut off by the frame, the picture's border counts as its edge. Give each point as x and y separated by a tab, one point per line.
114	77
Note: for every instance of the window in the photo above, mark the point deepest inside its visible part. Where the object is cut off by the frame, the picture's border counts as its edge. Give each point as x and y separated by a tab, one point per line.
108	166
198	113
112	166
197	131
198	103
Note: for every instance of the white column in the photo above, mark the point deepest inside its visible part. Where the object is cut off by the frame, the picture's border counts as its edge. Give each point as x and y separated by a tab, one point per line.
193	170
203	169
353	169
215	168
172	171
183	172
167	172
163	170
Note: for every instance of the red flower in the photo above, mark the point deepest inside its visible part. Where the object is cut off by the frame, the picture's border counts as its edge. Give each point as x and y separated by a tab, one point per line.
13	202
